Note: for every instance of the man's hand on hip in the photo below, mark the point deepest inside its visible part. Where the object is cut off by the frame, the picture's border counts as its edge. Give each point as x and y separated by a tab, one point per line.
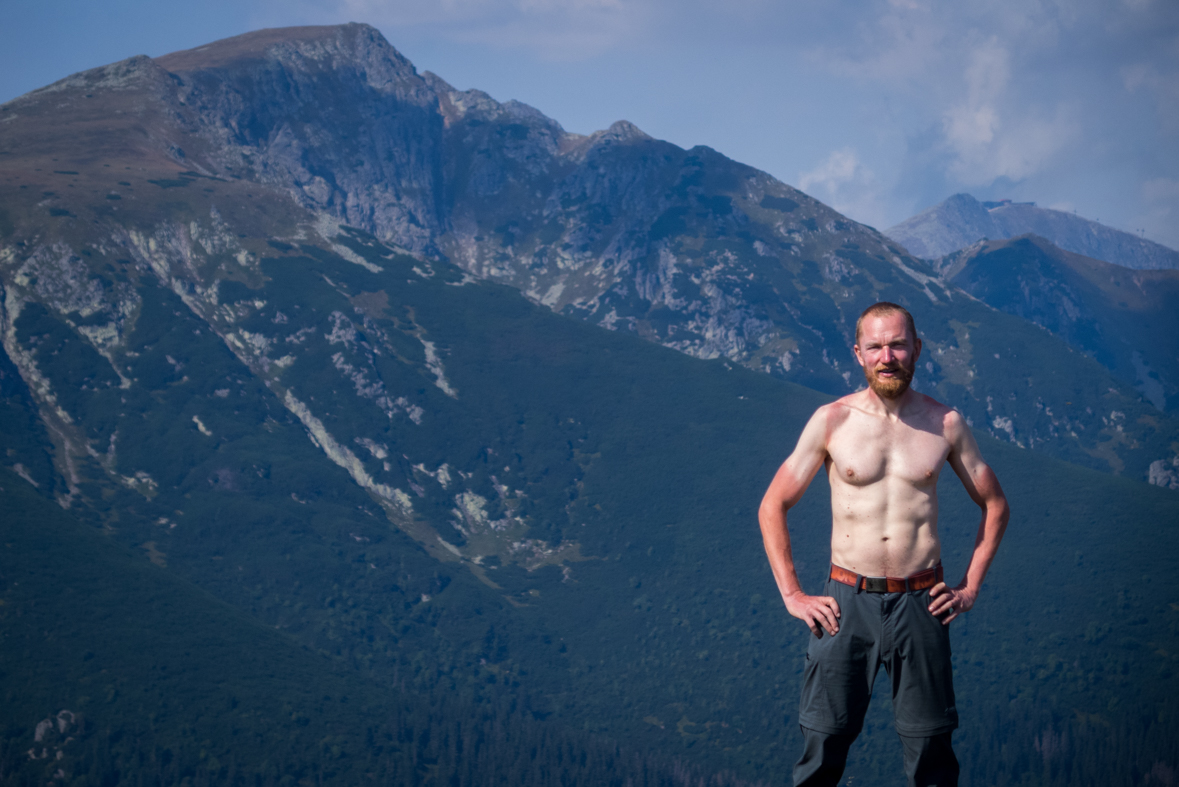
820	613
953	601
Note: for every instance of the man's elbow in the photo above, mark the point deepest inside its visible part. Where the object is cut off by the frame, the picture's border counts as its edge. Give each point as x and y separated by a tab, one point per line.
990	497
1002	510
773	509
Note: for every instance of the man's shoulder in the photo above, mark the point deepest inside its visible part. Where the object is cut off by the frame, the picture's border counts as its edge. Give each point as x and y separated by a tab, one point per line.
951	420
932	405
833	417
838	411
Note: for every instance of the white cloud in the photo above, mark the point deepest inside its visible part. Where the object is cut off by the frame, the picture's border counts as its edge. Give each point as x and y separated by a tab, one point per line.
1162	87
899	45
1161	190
845	184
992	134
972	125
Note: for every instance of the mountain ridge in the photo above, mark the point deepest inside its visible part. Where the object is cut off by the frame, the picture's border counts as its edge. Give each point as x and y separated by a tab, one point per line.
683	247
961	220
1124	318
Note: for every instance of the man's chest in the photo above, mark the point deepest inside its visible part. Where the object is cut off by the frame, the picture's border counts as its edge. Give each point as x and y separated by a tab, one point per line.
867	450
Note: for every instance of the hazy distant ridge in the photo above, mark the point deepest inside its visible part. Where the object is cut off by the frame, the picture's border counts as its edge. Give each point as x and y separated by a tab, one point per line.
962	220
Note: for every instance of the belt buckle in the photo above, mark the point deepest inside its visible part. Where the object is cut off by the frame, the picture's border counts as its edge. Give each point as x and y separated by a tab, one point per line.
876	584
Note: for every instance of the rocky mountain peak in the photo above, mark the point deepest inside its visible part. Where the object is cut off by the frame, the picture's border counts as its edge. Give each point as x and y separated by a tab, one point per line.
355	48
961	220
620	131
354	41
456	105
965	203
954	224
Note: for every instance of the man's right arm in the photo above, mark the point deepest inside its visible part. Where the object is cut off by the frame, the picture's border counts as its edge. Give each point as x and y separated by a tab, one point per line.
792	479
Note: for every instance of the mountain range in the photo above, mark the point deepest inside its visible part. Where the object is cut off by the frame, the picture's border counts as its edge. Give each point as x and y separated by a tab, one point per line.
685	248
305	351
962	221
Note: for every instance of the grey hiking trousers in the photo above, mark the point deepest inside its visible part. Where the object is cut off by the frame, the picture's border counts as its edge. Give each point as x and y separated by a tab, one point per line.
891	630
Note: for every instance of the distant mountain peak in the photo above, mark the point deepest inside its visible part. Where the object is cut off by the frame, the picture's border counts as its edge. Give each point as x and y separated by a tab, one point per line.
961	220
351	46
620	131
267	43
964	201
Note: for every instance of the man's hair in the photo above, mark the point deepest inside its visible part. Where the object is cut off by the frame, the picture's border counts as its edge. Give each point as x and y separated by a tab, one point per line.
883	309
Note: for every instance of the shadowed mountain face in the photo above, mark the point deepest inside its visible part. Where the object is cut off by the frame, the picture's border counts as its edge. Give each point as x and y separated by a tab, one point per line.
194	161
962	220
446	487
1125	319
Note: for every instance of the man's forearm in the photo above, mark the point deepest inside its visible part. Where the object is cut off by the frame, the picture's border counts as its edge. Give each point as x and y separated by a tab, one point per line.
776	538
986	543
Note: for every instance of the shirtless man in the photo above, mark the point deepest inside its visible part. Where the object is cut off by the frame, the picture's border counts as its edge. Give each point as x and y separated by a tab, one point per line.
885	604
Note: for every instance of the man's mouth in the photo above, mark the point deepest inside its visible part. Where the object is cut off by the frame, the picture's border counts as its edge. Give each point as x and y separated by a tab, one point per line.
889	381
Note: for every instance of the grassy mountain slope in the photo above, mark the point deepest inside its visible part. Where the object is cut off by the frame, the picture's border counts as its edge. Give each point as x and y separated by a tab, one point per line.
1125	319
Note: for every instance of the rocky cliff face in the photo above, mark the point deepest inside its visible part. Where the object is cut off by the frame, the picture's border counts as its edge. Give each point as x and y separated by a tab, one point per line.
334	116
962	220
195	163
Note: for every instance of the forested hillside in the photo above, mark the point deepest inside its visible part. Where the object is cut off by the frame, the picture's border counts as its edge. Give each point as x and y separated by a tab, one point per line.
608	575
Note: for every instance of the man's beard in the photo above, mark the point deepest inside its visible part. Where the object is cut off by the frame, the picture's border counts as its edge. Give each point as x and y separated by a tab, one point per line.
889	387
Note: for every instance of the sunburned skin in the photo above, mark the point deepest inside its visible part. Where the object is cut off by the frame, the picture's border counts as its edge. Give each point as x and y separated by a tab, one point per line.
883	474
883	449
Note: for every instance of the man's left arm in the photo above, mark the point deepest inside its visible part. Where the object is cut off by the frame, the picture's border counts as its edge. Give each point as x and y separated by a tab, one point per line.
983	487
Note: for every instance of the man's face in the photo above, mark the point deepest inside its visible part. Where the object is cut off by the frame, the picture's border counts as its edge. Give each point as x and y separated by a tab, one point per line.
888	354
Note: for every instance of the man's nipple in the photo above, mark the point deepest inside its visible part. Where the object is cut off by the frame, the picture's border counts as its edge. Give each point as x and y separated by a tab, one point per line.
851	473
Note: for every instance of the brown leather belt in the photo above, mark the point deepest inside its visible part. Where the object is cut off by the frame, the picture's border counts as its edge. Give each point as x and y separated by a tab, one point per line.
919	581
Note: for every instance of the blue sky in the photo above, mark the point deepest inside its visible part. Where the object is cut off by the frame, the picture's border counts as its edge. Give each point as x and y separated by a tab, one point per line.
879	108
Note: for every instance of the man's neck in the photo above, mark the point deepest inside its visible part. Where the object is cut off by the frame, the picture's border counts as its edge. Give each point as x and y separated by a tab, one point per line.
889	408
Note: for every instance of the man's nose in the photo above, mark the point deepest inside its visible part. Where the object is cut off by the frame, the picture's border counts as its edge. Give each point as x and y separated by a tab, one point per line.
886	354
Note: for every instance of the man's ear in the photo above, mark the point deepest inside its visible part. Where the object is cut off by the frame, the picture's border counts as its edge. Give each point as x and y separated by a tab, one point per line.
856	352
917	354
